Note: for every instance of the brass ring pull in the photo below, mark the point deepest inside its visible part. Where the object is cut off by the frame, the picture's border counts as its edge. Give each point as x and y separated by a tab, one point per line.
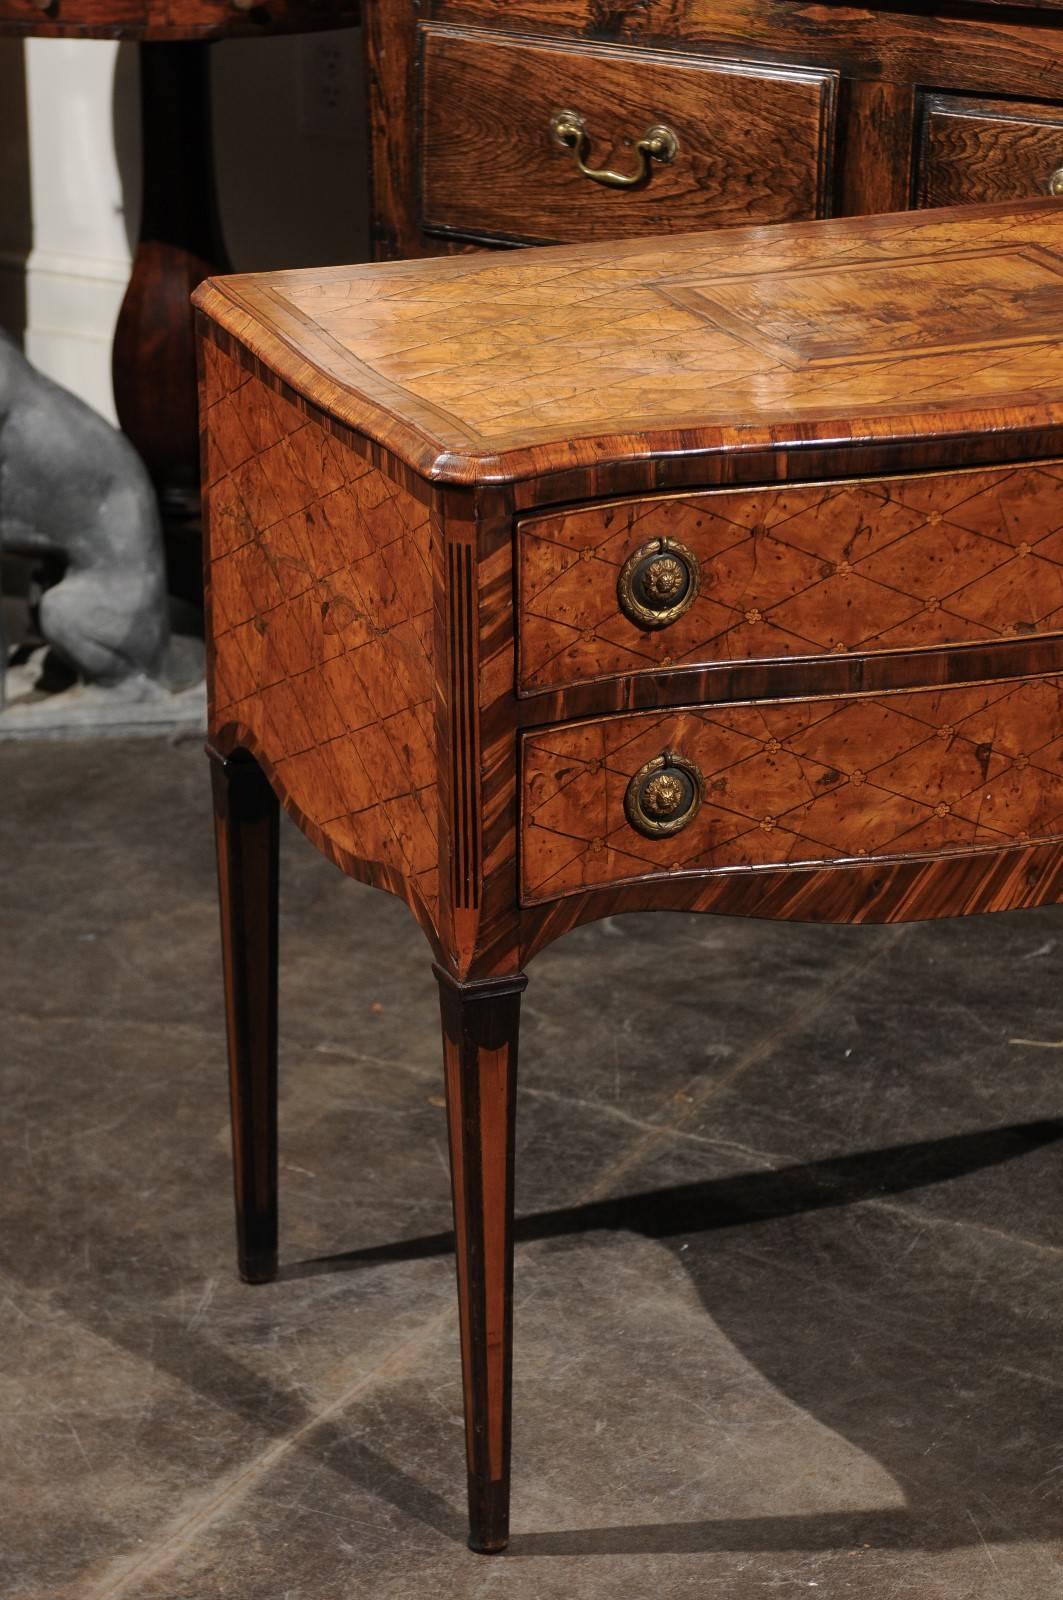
658	583
657	144
664	796
1055	183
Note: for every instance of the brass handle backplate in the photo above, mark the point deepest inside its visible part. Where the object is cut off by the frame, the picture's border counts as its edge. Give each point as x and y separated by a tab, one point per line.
664	796
657	583
658	143
1055	183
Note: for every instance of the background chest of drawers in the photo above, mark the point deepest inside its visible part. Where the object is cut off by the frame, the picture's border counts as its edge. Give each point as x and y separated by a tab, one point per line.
776	111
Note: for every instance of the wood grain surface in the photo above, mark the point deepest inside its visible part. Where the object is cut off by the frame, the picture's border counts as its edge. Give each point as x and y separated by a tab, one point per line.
482	369
172	19
801	783
321	621
978	151
888	564
973	48
488	100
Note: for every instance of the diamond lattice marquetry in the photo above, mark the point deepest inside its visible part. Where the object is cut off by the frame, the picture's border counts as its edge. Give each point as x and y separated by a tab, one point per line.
810	570
321	602
925	773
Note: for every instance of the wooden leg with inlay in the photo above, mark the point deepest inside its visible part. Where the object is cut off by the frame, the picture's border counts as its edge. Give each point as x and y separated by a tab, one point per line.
246	831
480	1029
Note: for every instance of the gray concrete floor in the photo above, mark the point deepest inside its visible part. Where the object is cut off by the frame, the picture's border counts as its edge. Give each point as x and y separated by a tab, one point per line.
789	1284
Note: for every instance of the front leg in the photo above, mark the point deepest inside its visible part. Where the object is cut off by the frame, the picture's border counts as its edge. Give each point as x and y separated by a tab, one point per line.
480	1030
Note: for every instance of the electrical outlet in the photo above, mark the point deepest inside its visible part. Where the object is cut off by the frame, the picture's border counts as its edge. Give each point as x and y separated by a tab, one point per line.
328	104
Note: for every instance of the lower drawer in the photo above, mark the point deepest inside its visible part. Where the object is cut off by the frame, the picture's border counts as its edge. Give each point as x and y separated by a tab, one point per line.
791	783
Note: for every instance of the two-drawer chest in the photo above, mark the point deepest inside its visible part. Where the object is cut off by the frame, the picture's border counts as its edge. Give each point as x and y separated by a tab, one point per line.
720	574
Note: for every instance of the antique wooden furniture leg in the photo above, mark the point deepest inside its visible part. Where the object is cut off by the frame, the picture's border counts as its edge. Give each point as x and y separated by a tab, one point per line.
246	829
481	1023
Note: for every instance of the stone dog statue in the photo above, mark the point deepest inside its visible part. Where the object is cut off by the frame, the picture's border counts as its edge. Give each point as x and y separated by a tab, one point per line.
73	486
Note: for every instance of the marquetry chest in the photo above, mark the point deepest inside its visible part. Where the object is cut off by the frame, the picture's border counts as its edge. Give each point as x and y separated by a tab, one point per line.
721	574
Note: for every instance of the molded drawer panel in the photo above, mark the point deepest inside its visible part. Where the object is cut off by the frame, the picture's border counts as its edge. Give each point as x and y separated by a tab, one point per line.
796	571
754	141
796	783
978	151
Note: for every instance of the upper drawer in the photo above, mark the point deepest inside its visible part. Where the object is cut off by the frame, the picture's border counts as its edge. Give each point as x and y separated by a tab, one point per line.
752	142
978	151
804	570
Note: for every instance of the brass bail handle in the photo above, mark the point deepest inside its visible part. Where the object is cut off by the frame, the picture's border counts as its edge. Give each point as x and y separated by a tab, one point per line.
658	143
1055	183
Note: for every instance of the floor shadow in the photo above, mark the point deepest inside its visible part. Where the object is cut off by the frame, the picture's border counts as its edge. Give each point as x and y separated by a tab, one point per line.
936	1377
740	1201
774	1328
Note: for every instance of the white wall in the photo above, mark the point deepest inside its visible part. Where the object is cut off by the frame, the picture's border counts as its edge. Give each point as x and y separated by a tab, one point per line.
79	263
292	181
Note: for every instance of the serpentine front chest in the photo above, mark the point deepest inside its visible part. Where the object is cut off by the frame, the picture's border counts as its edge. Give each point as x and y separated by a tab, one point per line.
717	573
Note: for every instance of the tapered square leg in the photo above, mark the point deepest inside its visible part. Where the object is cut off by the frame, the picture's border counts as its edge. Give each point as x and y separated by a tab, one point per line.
246	831
480	1030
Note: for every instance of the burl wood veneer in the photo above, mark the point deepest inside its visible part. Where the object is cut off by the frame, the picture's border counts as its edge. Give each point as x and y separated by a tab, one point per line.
721	574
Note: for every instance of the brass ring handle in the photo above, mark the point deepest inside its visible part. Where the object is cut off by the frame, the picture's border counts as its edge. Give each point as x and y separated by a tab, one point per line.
658	583
1055	183
664	796
658	143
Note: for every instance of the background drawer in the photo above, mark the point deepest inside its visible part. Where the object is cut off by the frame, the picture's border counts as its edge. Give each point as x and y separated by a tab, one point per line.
875	564
973	151
754	141
799	782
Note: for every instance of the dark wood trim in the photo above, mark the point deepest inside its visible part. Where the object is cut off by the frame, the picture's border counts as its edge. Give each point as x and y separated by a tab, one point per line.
875	170
879	892
389	41
880	672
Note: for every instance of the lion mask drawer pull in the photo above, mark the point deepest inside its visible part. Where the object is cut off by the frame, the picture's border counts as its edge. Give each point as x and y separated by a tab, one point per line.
664	796
658	583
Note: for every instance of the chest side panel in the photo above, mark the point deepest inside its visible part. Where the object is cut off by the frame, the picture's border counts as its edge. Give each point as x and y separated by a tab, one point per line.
320	595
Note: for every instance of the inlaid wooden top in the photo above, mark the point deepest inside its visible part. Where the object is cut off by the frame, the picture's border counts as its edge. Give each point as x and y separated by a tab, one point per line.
492	367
